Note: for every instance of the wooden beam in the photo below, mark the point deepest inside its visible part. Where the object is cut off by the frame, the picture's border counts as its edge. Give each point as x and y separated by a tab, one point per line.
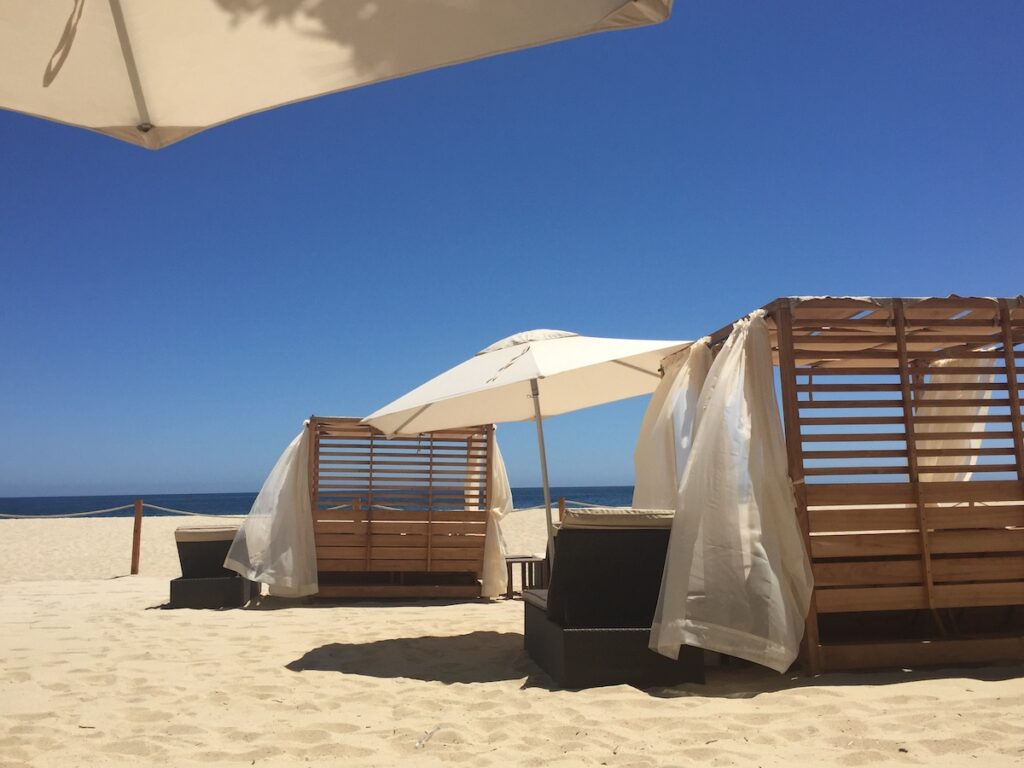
1012	386
909	427
919	654
783	317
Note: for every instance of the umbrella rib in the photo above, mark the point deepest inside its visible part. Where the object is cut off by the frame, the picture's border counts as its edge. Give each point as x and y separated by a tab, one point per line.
144	124
637	368
415	416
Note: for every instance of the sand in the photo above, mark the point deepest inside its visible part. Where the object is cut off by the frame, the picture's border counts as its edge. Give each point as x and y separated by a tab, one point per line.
96	673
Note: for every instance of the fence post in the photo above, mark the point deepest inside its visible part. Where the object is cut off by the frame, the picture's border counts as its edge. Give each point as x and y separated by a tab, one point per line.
136	537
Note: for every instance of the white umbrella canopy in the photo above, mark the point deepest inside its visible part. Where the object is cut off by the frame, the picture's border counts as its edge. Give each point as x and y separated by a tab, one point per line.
526	377
153	72
571	371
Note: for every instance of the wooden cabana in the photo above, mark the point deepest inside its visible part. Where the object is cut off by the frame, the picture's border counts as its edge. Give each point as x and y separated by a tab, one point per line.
401	516
909	475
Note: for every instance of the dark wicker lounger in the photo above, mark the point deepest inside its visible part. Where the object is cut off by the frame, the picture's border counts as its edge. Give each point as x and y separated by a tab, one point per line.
591	627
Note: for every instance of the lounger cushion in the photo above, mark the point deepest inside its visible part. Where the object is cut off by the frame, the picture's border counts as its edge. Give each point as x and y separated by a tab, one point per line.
537	597
206	533
617	517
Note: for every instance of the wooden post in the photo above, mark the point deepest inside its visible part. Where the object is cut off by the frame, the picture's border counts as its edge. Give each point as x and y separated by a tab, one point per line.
314	471
783	316
561	508
137	537
910	433
1012	387
430	496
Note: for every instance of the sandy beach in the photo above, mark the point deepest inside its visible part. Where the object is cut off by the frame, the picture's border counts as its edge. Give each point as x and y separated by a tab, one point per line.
96	673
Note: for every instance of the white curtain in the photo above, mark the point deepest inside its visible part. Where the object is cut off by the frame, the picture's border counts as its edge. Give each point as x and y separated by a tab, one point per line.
737	579
664	444
275	544
494	581
923	409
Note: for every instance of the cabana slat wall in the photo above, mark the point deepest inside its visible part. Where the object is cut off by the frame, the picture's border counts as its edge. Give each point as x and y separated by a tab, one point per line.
909	475
399	517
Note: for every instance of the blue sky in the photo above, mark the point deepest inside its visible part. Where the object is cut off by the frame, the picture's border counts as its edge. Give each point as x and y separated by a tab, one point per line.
168	319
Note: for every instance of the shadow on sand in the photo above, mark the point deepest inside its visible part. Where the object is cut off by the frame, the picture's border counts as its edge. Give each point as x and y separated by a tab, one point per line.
476	657
743	680
487	657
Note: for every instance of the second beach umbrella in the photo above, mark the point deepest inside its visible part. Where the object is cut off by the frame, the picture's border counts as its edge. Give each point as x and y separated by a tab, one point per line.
527	377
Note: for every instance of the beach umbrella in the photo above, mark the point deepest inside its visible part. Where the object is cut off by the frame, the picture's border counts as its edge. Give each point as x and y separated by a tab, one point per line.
527	377
153	72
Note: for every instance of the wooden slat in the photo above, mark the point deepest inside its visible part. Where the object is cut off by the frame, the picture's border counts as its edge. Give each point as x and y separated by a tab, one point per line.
837	471
467	541
923	336
835	494
974	595
949	518
861	574
945	469
848	387
440	566
840	545
910	654
880	519
939	452
916	324
856	437
897	572
986	435
886	453
905	518
872	599
977	541
858	404
391	591
954	386
865	545
886	354
379	539
331	565
396	528
439	515
980	490
877	420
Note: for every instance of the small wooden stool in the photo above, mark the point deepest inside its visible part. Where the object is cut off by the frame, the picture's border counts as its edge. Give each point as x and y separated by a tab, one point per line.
533	572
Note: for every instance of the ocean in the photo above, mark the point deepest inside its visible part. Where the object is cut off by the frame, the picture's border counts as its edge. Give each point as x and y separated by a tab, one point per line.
239	503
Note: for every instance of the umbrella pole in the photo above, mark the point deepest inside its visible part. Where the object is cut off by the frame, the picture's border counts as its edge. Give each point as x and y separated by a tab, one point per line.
543	460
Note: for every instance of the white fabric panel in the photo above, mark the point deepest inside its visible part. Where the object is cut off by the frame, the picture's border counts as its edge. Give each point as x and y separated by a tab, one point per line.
970	410
737	578
203	62
495	575
275	544
666	433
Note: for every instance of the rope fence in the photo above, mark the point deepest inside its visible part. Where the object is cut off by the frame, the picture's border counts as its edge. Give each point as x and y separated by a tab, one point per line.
138	506
68	514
